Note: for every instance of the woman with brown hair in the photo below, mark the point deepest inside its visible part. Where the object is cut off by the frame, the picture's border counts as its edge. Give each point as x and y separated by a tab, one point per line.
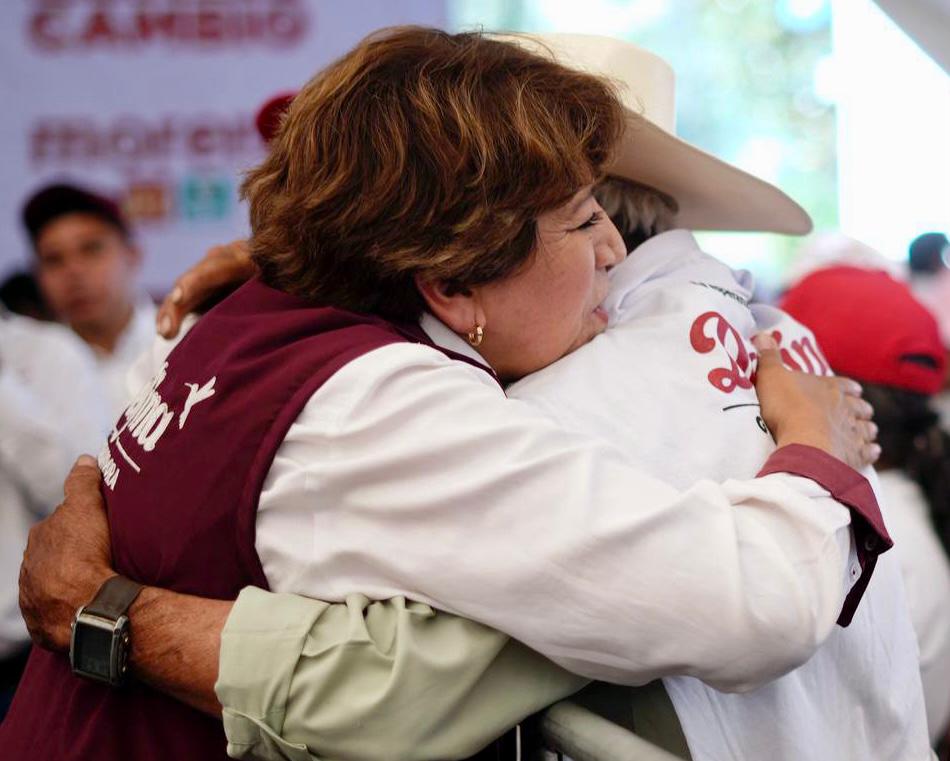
425	229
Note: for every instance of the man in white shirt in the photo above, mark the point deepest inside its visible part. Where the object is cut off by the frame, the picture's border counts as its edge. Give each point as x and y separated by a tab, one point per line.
680	324
44	424
87	265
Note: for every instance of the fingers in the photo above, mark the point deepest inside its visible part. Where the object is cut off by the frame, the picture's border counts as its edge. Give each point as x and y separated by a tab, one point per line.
764	342
865	449
168	319
860	408
222	266
849	387
82	483
767	347
188	293
869	454
865	430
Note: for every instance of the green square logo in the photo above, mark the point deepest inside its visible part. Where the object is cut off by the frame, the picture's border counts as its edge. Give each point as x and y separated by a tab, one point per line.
205	198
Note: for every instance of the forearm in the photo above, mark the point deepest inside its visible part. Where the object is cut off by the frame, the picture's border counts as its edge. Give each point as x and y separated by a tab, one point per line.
175	638
418	684
176	644
572	550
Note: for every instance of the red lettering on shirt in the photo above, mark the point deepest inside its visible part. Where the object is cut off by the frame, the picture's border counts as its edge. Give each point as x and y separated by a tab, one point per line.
741	370
799	354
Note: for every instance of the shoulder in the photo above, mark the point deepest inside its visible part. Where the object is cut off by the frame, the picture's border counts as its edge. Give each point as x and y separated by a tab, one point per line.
402	356
401	403
400	376
39	342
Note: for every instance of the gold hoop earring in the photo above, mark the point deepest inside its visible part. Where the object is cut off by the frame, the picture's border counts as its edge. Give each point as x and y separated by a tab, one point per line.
475	335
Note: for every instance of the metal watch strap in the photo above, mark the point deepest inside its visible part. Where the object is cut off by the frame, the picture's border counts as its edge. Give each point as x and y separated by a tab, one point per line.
114	598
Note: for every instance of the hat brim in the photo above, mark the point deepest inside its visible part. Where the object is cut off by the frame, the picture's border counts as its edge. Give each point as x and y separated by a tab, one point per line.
711	194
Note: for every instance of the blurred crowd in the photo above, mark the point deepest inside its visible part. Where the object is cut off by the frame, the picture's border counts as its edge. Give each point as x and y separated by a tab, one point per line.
71	328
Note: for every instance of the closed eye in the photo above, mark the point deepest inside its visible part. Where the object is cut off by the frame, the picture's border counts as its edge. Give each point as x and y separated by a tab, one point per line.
596	217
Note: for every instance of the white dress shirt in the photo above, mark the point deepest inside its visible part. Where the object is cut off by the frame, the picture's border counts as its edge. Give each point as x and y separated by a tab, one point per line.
669	383
543	520
114	367
52	409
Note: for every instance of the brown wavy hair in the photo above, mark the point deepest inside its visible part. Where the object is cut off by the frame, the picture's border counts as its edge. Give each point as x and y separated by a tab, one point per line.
423	153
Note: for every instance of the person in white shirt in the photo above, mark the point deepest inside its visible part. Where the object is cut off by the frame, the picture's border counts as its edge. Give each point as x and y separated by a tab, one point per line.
678	341
86	266
44	425
430	482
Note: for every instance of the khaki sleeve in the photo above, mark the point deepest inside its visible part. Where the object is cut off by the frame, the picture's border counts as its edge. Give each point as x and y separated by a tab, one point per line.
372	681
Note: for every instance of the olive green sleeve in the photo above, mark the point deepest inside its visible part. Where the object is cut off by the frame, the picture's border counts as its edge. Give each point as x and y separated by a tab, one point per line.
372	681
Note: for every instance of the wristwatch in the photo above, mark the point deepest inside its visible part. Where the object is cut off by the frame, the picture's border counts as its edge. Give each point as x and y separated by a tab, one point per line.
99	646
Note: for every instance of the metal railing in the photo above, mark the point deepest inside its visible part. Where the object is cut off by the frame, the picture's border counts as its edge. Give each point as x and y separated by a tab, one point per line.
572	731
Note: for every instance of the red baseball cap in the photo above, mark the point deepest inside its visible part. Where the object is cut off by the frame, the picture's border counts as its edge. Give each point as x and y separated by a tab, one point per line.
270	114
870	327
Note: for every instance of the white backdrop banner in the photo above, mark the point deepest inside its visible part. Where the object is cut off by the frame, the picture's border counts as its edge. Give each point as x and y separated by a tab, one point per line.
152	102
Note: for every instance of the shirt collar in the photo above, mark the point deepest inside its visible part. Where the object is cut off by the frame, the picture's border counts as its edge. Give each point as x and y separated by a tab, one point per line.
441	335
138	334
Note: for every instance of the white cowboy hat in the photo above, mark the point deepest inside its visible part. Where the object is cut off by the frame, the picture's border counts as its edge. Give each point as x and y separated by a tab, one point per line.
712	195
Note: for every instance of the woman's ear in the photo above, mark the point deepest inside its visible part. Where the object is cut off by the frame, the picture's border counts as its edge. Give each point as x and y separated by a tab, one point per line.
458	310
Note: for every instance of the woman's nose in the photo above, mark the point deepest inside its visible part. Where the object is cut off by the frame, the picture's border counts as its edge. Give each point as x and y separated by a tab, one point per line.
610	249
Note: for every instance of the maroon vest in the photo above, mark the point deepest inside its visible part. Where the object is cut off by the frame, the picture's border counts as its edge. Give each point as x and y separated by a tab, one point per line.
188	461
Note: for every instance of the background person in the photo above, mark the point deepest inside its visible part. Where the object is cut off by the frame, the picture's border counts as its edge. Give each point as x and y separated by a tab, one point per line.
87	265
872	328
928	255
44	425
669	299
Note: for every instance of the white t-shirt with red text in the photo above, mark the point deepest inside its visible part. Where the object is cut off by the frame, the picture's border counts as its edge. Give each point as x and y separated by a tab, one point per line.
670	383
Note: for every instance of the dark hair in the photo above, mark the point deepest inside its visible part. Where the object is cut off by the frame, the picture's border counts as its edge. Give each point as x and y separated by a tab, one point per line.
20	293
54	201
913	441
423	153
928	253
638	211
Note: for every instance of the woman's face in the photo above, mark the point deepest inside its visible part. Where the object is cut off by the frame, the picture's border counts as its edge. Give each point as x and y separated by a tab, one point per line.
553	305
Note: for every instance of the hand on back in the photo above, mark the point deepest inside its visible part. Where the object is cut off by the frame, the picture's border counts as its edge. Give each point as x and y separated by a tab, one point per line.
222	269
823	412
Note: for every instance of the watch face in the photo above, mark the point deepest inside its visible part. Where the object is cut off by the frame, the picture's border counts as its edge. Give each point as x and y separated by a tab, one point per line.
93	649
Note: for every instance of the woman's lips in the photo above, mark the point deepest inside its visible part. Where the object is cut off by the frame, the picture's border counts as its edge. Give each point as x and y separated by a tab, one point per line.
601	314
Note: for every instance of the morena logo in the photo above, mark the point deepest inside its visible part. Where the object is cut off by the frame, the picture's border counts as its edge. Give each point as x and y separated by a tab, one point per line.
130	139
194	198
56	26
